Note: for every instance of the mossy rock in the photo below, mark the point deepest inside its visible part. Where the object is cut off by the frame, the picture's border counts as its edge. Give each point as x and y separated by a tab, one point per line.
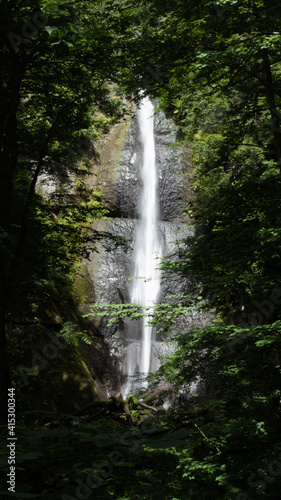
50	374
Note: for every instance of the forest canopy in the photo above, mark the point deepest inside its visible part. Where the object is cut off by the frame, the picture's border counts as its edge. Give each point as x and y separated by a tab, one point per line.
67	70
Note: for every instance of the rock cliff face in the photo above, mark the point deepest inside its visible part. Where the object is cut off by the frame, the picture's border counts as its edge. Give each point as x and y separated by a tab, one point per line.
171	173
104	277
172	168
108	269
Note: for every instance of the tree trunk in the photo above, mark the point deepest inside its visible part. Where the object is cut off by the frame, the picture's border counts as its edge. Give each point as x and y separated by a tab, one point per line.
31	192
275	115
5	381
8	163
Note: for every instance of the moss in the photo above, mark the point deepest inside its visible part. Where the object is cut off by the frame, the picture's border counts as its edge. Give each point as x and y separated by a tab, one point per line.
49	374
82	285
109	148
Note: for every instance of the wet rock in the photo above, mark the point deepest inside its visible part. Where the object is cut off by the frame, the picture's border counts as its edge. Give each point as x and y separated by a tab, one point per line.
110	268
170	166
109	271
168	159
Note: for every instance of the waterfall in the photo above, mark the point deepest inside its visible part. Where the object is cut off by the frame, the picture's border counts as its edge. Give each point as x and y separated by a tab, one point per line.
132	188
146	284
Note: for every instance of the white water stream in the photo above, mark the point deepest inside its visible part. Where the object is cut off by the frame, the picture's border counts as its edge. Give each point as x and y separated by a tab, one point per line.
146	283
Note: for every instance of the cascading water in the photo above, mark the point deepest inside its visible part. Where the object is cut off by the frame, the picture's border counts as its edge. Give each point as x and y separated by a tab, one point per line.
146	285
134	348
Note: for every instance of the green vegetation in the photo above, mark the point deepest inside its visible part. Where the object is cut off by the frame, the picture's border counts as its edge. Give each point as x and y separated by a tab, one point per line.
55	100
103	460
216	68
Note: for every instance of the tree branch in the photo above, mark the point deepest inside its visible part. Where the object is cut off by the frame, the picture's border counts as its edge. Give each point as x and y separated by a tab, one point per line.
205	437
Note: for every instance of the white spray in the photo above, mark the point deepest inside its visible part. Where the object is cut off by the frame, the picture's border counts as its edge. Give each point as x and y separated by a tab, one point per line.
146	285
